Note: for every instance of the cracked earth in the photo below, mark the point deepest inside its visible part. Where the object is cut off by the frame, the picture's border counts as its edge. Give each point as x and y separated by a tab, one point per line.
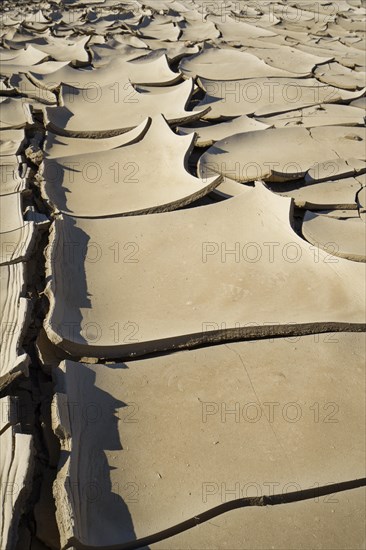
183	249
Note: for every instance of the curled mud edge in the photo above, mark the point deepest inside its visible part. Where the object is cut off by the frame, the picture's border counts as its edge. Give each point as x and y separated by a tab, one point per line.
190	341
274	500
186	117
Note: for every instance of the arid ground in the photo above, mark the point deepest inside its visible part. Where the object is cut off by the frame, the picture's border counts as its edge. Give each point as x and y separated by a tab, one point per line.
183	248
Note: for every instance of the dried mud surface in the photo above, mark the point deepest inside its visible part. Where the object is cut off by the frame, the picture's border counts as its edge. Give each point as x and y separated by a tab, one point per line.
182	268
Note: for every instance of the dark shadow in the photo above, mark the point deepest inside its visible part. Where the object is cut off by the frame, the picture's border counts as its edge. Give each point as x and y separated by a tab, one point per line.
215	150
68	281
101	508
291	185
59	117
53	139
55	175
209	100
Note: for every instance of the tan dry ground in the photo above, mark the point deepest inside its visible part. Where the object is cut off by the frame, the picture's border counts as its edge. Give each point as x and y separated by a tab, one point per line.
183	252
